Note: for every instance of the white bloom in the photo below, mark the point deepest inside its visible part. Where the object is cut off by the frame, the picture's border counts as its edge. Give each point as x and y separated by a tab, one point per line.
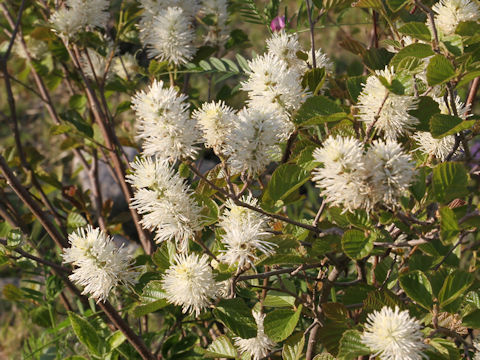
164	122
99	264
165	201
428	145
80	15
389	171
462	109
245	234
259	346
189	282
252	143
393	117
440	148
216	121
477	353
94	66
342	178
449	13
170	37
285	47
219	8
37	49
321	60
272	86
125	66
393	335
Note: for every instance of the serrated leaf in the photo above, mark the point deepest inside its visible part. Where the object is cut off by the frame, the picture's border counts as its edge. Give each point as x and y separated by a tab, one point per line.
75	220
285	180
426	108
439	70
376	300
324	357
314	80
73	117
162	256
279	324
472	320
236	316
418	288
335	311
396	5
355	85
278	299
372	4
152	292
377	58
316	105
449	181
85	333
442	125
221	347
417	30
356	244
351	346
416	50
454	286
449	228
293	347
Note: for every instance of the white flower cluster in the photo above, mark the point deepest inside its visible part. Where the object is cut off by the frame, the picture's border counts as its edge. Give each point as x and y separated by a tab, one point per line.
259	346
385	111
166	28
189	282
450	13
394	335
165	125
99	264
440	148
165	201
245	234
356	179
79	15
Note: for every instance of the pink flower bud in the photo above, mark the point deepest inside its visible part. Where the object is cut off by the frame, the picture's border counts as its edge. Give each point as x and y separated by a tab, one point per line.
277	23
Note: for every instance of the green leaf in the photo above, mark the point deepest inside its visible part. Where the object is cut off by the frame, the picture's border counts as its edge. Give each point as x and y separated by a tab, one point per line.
115	340
351	346
418	30
209	209
418	288
377	58
85	332
152	292
439	70
285	180
449	181
419	51
221	347
324	356
279	324
373	4
316	105
144	309
163	255
236	315
454	286
442	125
419	187
293	347
14	238
472	320
75	220
73	117
468	28
314	80
355	85
426	108
449	228
356	244
376	300
278	299
396	5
